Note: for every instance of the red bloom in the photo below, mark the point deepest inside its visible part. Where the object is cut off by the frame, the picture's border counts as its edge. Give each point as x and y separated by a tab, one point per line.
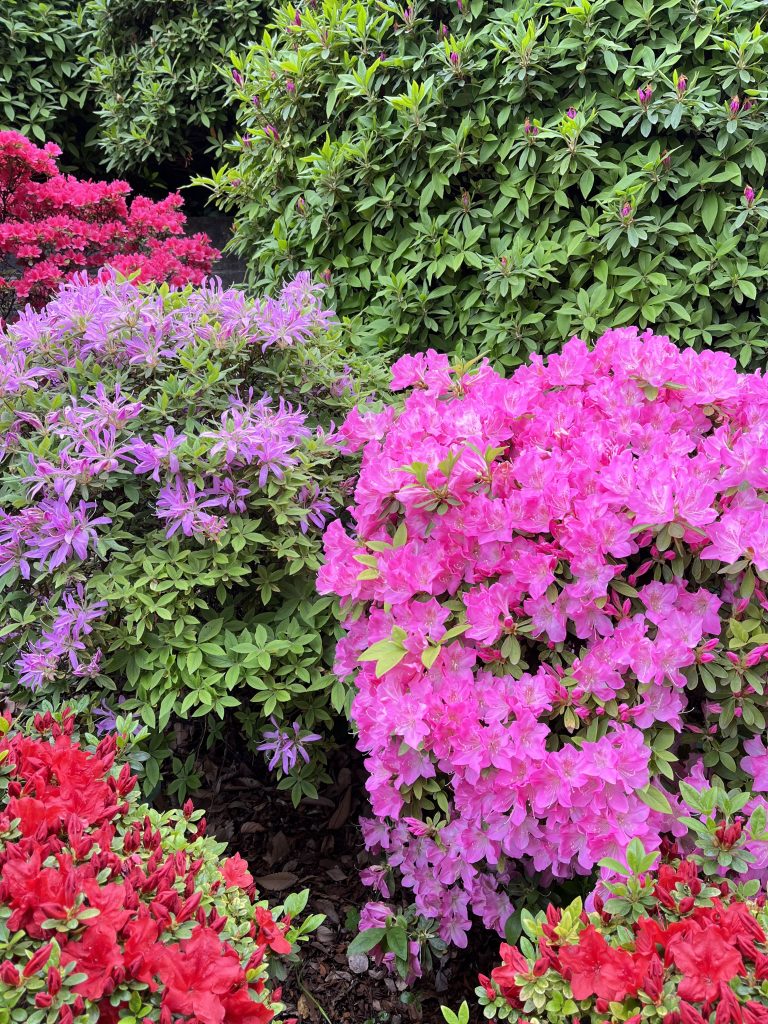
514	963
197	973
593	968
269	933
234	871
705	959
95	954
53	226
239	1008
136	883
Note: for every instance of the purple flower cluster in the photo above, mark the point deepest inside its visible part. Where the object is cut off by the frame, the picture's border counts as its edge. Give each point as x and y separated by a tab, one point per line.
94	414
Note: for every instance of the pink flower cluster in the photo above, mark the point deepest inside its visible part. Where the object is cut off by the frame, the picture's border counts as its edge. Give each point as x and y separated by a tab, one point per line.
552	578
52	225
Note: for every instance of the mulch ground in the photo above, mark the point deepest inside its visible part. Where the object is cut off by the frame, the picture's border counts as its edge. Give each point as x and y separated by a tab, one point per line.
319	847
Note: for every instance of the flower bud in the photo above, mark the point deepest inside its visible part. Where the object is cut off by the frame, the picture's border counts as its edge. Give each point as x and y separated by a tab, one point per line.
9	973
40	958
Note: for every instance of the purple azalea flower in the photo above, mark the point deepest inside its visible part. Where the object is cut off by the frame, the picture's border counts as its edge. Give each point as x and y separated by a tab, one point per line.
285	747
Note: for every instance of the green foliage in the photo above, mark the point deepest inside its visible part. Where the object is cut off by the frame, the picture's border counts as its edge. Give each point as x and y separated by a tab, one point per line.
158	92
43	57
494	178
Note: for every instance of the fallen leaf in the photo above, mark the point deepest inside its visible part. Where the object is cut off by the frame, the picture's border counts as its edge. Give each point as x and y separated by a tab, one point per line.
328	908
277	882
340	816
249	827
279	848
336	874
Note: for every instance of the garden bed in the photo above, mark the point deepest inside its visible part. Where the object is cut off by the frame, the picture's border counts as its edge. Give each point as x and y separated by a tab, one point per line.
319	847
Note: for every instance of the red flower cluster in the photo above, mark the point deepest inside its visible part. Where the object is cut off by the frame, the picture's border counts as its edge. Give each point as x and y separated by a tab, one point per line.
698	951
108	899
53	225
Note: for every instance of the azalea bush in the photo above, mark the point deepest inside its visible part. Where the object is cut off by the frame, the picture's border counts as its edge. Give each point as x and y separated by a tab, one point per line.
154	78
112	911
168	461
53	225
669	944
555	589
503	175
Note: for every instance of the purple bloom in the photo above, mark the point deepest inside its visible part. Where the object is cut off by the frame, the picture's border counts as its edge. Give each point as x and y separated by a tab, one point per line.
36	667
286	747
64	532
182	506
317	506
152	458
104	718
749	195
376	878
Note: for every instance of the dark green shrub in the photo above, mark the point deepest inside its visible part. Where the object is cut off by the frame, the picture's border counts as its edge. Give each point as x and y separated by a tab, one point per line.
43	60
158	93
508	173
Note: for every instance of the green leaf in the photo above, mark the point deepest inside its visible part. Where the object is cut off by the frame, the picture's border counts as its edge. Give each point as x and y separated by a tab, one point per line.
397	941
210	630
709	210
655	799
366	940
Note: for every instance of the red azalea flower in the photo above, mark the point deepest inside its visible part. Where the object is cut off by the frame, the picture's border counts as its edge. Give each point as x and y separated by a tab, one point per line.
95	954
593	968
513	963
239	1008
234	871
269	932
197	973
705	959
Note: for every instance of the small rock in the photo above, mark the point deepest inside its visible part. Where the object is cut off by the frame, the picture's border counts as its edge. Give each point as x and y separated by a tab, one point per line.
358	963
